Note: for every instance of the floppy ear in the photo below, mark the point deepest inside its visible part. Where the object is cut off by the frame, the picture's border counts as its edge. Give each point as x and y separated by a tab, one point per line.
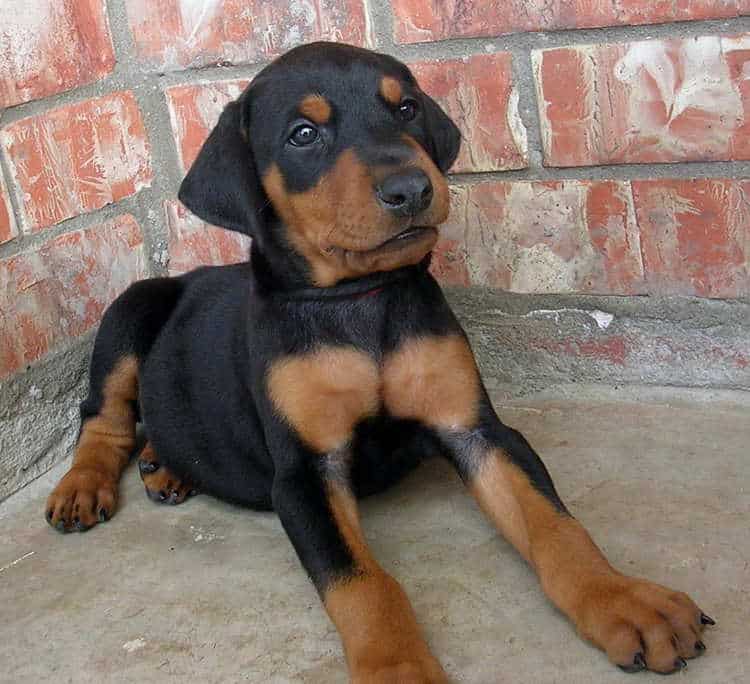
222	185
443	136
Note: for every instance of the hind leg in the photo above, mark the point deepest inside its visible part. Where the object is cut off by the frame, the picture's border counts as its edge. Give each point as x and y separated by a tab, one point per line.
87	494
162	486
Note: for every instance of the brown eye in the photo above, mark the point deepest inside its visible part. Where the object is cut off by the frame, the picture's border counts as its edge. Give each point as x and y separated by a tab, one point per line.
303	135
407	110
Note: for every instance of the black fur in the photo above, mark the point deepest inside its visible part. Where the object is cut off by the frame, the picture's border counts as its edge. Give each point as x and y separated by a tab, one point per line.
205	340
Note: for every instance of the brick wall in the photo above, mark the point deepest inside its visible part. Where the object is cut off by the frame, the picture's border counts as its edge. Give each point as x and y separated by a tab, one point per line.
606	148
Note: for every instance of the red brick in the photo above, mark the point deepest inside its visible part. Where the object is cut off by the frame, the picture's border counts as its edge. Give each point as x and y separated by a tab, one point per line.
173	34
544	236
193	243
60	291
417	21
78	158
479	94
695	236
652	101
194	110
8	228
47	47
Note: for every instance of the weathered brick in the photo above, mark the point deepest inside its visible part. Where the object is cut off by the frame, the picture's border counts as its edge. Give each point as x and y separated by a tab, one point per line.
47	46
695	236
194	110
545	236
7	223
651	101
479	94
417	21
173	34
77	158
193	243
60	290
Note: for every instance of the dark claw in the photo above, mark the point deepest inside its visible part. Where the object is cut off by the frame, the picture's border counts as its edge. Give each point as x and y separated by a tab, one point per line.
157	497
680	664
60	527
705	620
173	498
639	664
700	646
49	516
147	467
103	515
80	526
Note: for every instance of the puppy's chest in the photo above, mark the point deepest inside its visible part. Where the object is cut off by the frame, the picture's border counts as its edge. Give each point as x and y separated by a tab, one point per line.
325	393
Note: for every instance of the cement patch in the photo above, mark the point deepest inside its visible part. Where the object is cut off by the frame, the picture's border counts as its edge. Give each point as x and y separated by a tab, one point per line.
213	593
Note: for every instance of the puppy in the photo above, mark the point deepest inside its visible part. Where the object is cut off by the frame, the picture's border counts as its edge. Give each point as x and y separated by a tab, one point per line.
330	365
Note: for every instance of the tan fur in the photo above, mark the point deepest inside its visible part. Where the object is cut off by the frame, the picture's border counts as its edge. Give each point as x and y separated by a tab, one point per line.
316	108
608	608
339	227
102	452
433	379
324	394
390	89
439	208
382	640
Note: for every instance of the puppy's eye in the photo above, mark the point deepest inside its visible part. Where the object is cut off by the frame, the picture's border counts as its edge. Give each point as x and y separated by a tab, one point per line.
407	110
305	134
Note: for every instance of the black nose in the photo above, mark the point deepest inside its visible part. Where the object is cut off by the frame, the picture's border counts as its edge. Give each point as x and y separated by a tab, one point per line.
406	193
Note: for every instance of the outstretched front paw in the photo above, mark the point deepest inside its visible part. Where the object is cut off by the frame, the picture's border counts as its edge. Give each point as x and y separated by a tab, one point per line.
641	625
84	497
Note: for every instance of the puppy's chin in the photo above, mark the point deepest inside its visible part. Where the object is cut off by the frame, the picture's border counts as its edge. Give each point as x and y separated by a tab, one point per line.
406	248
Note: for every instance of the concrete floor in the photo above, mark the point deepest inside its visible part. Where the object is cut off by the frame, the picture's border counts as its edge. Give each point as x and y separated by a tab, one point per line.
213	593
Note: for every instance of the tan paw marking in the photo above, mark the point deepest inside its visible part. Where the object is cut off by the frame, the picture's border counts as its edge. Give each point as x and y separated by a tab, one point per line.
84	497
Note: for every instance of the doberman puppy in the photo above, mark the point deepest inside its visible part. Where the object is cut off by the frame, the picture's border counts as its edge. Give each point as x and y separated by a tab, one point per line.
330	365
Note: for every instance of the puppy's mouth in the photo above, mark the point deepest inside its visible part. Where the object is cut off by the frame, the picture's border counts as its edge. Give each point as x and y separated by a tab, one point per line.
407	237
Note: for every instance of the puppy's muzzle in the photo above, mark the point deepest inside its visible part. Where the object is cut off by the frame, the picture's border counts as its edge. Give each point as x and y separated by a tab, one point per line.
405	193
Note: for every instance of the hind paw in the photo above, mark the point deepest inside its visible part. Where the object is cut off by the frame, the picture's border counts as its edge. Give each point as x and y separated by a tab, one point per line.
162	486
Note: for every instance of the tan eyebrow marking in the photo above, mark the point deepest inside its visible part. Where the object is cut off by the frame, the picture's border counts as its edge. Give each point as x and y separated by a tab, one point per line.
316	108
390	89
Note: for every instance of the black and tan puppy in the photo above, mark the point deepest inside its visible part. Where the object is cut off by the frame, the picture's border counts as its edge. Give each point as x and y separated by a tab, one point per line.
329	365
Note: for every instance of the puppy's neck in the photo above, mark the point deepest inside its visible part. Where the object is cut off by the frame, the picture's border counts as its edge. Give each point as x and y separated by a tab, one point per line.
281	275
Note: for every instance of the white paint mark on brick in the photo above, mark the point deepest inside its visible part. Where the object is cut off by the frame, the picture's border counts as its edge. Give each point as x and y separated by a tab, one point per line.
691	76
515	124
195	15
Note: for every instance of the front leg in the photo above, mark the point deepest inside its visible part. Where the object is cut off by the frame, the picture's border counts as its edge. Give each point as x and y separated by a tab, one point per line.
321	397
638	623
434	379
382	640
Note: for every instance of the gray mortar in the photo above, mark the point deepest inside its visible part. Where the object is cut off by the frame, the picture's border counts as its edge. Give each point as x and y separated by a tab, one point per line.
38	407
39	416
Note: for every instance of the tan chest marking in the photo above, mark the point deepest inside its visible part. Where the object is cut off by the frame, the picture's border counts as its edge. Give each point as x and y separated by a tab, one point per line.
433	380
325	393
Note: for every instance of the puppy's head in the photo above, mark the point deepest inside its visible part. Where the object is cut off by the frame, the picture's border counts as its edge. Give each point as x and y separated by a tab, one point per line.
335	153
